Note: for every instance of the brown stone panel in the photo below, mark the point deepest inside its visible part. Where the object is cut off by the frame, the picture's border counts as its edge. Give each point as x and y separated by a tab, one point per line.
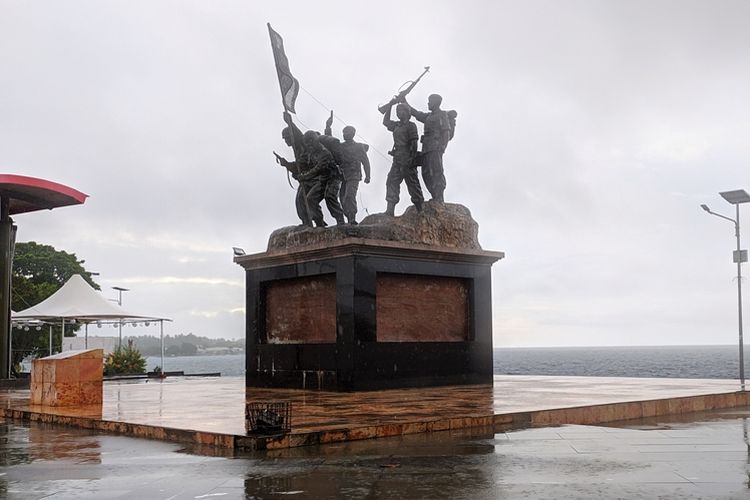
301	310
48	370
67	371
37	389
57	379
413	308
90	370
91	392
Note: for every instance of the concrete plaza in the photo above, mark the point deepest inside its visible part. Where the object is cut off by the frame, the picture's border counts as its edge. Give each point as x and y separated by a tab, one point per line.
210	411
700	455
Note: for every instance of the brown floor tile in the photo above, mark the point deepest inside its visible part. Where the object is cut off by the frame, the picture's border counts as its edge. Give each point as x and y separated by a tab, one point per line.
215	406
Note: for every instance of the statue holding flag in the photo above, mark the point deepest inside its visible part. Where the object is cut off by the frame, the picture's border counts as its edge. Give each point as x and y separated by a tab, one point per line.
314	167
316	171
291	134
289	85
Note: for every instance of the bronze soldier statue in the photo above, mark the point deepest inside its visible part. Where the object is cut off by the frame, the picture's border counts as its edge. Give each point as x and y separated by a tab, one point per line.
318	174
293	138
438	130
352	159
404	152
334	181
320	170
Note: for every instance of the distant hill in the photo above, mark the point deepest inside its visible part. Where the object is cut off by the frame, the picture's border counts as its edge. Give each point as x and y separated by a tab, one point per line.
187	345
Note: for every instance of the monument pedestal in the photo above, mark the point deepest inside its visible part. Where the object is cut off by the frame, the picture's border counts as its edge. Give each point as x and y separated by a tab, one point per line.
361	314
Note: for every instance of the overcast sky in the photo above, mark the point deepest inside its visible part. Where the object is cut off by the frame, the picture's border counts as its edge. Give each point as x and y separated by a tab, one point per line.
588	135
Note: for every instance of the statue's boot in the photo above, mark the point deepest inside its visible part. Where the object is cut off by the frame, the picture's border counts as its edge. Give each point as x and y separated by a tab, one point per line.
418	206
391	209
320	223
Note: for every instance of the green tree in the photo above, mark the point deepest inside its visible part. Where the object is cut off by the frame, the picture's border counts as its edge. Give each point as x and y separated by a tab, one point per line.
38	272
125	361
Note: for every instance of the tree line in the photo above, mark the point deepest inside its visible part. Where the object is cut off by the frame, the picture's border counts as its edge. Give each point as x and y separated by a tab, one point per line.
39	271
182	344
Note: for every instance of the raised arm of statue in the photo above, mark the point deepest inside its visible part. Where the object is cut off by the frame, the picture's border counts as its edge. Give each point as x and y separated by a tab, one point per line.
329	123
419	115
295	130
387	122
387	114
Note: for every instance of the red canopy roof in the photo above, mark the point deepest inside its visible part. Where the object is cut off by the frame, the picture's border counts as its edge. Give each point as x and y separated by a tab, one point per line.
28	194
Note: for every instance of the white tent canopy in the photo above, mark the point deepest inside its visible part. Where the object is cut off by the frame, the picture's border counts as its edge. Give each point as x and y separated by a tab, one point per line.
78	300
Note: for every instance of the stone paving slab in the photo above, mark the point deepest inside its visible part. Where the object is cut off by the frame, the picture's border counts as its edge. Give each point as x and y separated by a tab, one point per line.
623	460
210	411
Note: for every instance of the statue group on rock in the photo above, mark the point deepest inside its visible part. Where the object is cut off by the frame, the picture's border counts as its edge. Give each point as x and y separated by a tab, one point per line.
330	169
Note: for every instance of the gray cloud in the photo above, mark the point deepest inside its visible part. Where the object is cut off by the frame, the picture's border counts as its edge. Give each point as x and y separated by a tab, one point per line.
588	133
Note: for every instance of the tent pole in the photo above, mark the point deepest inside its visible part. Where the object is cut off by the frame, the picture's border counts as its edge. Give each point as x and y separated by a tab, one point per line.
86	336
62	334
50	339
161	336
10	349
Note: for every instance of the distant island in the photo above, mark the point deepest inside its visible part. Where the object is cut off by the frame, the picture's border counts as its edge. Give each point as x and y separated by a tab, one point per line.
187	345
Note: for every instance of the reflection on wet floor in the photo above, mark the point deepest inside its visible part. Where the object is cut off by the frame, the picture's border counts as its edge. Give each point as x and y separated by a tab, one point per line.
217	404
697	456
44	445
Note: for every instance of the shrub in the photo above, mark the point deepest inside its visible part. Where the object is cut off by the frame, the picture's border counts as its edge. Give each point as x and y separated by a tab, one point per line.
125	361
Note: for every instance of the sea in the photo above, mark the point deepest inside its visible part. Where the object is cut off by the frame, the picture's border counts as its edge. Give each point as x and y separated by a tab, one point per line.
718	361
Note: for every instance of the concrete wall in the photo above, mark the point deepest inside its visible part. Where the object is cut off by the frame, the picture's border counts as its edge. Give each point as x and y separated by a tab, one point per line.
109	344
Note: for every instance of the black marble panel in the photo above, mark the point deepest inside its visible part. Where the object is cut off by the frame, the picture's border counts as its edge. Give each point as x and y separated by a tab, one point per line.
357	361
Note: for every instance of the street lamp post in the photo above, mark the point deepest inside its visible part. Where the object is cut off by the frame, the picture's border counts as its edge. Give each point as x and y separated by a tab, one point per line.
119	303
736	198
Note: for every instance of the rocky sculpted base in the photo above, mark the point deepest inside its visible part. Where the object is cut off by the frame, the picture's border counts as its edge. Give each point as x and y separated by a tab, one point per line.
446	225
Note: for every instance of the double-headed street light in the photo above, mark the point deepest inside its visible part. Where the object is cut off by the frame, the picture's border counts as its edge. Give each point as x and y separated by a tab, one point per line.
736	198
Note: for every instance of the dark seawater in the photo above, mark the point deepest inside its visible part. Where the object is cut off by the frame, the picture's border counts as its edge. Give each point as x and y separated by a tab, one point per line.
668	362
229	365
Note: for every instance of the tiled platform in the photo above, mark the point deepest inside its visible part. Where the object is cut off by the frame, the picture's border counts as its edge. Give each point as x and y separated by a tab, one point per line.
700	455
210	411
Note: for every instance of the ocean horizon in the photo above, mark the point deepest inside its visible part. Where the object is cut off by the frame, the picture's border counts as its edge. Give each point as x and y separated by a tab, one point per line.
702	361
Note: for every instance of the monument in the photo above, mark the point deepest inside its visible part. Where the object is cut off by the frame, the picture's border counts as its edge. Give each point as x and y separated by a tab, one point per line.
394	301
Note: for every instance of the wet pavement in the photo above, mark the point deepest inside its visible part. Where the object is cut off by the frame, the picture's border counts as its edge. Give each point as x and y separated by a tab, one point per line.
212	410
701	455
